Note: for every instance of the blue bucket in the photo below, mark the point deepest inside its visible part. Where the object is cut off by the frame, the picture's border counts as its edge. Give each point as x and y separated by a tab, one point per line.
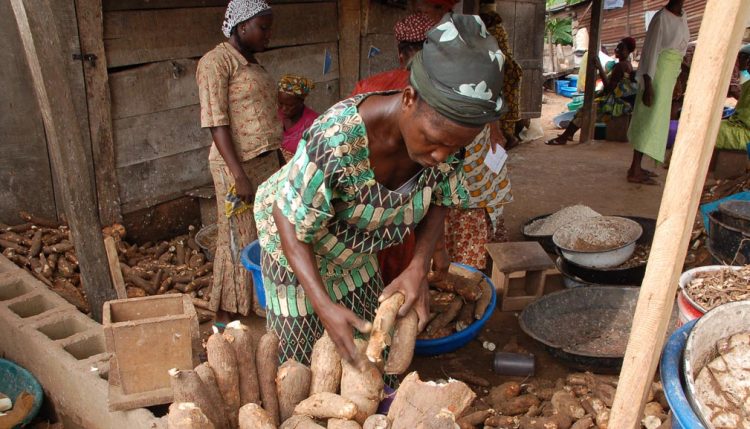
15	379
670	371
250	258
457	340
561	84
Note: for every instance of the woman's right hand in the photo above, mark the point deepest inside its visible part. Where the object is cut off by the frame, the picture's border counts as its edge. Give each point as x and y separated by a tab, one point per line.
244	189
339	321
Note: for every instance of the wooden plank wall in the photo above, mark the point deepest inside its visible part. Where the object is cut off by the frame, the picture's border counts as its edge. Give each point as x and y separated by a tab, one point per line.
377	34
524	22
26	180
153	47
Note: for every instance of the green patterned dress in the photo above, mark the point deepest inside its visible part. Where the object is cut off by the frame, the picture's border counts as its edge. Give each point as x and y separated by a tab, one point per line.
329	193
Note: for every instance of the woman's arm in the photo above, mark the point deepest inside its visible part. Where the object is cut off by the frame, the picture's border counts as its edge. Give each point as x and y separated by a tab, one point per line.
223	140
413	281
336	319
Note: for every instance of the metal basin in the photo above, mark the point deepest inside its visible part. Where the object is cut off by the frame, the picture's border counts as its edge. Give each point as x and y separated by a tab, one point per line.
601	242
586	327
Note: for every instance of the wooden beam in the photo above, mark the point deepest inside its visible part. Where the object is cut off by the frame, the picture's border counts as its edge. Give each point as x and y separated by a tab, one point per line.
114	268
44	54
91	34
718	41
349	40
589	114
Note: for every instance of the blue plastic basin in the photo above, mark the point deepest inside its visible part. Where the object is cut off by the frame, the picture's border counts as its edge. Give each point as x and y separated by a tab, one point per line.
250	258
459	339
670	370
14	380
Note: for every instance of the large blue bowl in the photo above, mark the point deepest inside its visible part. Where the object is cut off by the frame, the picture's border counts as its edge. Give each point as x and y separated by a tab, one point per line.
457	340
670	371
250	258
15	379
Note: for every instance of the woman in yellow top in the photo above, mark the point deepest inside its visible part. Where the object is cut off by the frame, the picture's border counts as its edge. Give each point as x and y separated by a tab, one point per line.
239	107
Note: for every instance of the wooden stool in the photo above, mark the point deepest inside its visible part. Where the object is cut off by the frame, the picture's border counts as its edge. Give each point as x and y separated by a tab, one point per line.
519	271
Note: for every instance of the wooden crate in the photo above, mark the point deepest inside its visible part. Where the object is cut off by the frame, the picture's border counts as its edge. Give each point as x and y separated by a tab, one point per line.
147	337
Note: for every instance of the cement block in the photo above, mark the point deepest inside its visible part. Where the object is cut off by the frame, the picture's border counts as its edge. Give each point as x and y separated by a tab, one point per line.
61	347
147	337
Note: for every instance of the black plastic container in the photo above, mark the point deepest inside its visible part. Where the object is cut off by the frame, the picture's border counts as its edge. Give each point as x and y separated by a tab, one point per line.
727	244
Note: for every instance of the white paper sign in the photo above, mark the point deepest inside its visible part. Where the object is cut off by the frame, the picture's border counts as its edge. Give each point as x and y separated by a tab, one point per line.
495	161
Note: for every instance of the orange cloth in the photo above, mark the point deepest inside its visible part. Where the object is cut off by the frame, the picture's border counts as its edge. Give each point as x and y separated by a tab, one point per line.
386	81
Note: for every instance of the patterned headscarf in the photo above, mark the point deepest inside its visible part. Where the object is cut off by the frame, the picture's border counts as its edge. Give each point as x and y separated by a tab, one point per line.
295	85
413	28
239	11
459	72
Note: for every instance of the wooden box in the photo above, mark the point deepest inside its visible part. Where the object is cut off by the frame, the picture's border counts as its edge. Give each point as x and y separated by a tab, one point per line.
519	272
147	337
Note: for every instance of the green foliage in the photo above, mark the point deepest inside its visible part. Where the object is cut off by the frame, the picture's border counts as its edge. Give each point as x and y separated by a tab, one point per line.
560	30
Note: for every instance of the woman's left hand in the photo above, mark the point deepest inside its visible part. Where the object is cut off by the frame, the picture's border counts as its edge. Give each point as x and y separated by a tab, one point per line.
412	283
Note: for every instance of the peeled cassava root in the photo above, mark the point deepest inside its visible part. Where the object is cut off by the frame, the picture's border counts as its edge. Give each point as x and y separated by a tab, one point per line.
325	365
186	415
292	386
326	405
252	416
363	386
385	318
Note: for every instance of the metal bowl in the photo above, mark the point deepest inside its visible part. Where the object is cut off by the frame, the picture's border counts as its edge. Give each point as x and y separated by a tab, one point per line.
719	323
598	255
586	327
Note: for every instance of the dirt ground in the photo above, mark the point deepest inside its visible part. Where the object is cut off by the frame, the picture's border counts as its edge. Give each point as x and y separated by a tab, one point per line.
544	179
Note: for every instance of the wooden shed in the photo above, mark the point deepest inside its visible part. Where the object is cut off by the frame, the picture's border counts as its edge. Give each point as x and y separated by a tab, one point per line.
130	66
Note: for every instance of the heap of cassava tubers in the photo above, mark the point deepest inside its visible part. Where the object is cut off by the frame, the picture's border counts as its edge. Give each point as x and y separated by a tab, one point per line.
240	387
45	249
581	401
456	302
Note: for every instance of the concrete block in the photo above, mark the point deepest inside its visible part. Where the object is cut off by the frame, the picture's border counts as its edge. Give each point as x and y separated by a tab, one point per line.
65	351
147	337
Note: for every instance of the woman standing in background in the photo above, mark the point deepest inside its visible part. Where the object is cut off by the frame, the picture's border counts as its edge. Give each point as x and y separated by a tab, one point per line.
239	106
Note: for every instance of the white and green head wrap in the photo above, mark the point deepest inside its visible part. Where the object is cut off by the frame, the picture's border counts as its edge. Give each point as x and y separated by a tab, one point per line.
459	72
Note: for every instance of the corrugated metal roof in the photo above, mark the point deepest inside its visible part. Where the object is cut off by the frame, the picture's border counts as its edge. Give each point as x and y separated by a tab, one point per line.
630	19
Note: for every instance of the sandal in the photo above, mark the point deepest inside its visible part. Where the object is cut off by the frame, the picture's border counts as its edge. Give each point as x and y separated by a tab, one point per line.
558	141
643	180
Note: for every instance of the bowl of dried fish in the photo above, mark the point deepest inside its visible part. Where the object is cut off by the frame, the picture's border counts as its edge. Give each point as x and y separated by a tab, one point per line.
713	285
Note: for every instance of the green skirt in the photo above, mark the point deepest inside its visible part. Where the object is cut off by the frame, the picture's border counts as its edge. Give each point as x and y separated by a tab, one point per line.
649	126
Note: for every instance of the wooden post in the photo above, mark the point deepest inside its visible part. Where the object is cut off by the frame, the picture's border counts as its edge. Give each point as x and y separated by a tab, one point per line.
349	45
718	41
91	34
588	121
44	53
